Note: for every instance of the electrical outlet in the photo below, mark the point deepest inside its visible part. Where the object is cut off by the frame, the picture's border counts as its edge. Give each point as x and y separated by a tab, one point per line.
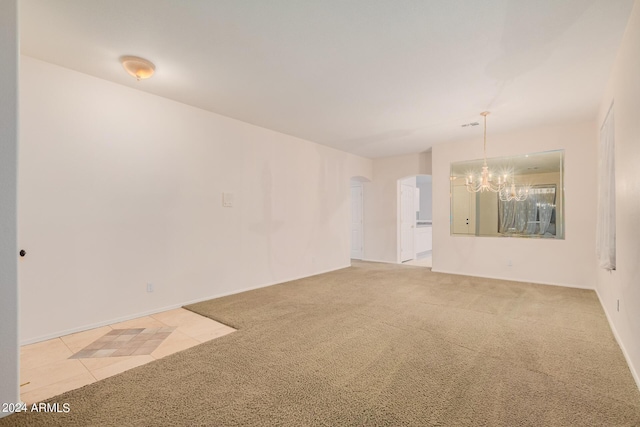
149	287
227	200
618	305
509	263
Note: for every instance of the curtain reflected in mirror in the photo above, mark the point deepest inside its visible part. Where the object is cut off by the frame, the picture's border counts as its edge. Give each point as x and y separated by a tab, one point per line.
533	216
539	176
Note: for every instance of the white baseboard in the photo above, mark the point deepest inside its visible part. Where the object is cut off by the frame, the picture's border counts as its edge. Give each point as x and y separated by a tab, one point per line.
634	371
378	260
264	285
510	279
165	308
97	324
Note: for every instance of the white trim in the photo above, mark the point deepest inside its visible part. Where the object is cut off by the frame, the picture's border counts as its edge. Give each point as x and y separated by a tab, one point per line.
379	260
387	262
399	184
511	279
634	372
96	325
166	308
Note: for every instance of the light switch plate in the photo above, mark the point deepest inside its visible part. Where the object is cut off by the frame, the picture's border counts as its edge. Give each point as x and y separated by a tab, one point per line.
227	200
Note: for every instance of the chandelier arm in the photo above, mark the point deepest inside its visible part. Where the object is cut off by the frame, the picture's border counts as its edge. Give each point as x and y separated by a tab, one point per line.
519	195
497	187
479	187
474	187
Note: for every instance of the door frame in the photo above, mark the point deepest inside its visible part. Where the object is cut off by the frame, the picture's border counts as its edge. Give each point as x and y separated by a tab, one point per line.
399	217
399	213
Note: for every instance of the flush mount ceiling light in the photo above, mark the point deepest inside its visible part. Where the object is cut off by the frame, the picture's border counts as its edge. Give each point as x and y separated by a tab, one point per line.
138	67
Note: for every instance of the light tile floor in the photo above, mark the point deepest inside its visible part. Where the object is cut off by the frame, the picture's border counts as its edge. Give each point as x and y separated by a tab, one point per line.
48	368
423	260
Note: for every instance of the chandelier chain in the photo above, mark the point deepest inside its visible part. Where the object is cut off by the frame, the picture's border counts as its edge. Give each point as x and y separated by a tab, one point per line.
505	187
485	139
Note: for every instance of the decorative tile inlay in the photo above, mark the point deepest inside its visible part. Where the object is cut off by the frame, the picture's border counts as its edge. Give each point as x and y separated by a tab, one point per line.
125	342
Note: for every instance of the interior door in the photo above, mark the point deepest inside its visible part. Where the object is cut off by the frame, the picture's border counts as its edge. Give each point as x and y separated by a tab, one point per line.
356	222
407	222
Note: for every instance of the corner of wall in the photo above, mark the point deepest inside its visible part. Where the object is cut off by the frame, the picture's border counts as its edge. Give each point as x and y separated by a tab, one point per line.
617	291
425	160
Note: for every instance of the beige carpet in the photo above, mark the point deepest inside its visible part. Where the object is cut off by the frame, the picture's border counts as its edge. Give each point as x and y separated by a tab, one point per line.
424	260
384	345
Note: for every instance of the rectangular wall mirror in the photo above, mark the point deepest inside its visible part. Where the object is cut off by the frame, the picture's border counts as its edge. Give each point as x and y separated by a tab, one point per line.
520	196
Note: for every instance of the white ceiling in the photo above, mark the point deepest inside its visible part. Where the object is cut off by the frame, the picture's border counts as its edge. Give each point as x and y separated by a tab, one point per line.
372	77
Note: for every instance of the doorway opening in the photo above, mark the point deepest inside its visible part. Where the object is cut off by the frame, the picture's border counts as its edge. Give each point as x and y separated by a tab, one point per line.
415	213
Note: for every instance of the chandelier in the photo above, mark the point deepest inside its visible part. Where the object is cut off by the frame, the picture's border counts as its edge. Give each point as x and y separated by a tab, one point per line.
512	193
486	182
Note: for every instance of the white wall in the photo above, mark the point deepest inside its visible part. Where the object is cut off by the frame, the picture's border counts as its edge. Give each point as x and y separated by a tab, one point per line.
9	349
381	203
119	188
624	283
564	262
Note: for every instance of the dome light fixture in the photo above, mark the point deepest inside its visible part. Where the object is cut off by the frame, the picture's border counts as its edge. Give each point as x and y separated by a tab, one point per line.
138	67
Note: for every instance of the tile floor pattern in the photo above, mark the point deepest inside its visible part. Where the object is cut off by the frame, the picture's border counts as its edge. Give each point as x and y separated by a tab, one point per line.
49	368
125	342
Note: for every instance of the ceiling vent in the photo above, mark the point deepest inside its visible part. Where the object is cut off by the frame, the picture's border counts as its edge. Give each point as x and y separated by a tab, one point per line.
470	124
